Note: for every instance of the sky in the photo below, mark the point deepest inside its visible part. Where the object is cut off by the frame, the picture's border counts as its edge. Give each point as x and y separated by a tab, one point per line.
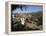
28	9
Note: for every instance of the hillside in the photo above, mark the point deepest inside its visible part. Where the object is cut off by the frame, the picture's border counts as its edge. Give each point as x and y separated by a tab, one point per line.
33	21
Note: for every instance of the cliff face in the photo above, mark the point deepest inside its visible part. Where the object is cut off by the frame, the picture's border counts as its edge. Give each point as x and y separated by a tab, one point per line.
33	21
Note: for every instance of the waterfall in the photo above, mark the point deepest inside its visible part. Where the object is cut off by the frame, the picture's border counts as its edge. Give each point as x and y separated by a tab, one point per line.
22	21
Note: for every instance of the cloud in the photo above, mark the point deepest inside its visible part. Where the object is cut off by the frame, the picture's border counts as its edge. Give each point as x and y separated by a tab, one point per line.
28	9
